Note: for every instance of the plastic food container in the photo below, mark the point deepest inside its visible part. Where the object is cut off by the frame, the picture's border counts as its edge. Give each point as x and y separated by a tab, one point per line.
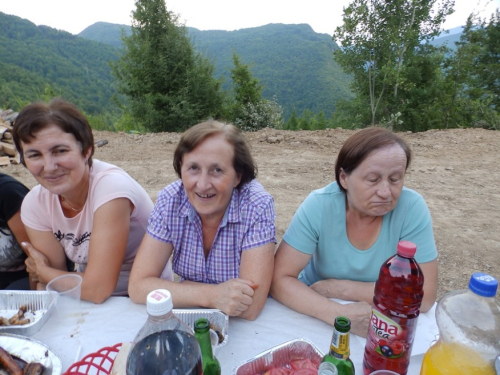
40	305
279	356
98	363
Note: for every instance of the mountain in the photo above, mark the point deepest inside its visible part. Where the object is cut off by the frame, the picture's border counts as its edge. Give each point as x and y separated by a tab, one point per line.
104	32
34	58
448	38
292	62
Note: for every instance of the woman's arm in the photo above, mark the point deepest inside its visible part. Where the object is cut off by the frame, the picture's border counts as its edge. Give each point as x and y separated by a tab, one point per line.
108	244
348	290
149	263
46	258
363	291
430	271
233	297
287	289
257	266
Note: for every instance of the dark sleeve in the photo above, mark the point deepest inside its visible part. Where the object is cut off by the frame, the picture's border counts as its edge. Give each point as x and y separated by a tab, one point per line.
12	193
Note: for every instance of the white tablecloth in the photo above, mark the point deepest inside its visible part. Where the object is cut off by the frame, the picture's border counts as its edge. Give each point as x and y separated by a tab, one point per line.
119	319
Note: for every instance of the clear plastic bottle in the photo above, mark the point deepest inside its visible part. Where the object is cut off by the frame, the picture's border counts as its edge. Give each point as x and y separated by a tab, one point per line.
164	345
469	331
396	306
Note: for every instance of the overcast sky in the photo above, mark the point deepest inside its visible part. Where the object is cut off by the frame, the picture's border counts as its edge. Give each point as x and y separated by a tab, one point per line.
322	15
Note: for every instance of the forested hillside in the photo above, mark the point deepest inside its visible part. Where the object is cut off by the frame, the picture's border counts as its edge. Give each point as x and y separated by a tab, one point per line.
39	58
292	62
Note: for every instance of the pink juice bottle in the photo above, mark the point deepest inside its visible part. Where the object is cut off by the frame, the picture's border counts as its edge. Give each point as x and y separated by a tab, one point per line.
396	306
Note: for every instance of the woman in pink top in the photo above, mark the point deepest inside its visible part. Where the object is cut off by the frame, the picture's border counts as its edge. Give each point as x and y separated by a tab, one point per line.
86	211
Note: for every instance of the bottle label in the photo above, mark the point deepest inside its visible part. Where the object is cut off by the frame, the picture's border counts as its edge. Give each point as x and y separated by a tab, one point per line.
339	347
391	338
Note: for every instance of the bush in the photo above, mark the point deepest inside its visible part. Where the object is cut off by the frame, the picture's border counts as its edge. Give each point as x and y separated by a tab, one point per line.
266	113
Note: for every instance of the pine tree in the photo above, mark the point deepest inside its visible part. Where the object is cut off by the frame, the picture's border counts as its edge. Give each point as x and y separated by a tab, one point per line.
168	86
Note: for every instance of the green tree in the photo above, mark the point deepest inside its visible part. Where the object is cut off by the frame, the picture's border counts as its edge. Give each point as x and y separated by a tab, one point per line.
422	93
378	39
473	76
292	123
169	87
246	88
249	111
490	75
485	41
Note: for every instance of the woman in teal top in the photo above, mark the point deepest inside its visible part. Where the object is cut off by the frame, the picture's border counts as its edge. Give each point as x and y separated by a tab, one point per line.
341	234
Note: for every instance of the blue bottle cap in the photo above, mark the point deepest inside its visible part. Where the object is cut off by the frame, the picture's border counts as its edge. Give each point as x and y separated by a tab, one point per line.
483	284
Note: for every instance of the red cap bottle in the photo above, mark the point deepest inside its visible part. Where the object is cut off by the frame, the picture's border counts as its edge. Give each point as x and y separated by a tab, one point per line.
396	306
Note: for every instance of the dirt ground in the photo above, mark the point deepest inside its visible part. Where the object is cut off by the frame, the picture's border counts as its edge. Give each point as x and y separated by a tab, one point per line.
457	172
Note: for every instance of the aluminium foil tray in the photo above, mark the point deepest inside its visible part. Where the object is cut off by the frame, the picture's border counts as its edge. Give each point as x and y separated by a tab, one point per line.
40	307
279	356
218	320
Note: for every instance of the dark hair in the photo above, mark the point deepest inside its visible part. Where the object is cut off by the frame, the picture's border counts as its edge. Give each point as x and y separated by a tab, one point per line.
243	162
39	115
361	144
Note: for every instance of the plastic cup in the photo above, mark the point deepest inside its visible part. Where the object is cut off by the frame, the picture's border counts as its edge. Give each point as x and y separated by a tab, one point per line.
384	372
68	290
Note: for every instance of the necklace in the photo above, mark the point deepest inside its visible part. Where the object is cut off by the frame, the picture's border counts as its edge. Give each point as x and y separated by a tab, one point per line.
70	206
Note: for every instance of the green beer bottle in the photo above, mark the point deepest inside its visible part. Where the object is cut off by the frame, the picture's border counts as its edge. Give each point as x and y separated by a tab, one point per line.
211	365
339	348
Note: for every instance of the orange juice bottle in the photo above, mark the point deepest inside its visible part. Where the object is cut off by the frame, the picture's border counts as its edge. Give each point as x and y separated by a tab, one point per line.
453	358
469	331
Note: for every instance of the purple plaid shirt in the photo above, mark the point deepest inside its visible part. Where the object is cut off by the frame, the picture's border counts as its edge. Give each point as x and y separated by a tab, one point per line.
247	223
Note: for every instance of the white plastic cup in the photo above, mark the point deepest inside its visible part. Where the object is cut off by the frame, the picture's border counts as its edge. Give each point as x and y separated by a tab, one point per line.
384	372
68	290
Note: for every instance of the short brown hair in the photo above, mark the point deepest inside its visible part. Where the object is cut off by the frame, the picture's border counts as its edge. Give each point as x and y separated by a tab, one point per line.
65	115
243	162
361	144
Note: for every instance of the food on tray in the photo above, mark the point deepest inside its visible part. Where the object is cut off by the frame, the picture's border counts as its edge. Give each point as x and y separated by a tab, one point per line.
17	319
12	365
218	332
294	367
8	364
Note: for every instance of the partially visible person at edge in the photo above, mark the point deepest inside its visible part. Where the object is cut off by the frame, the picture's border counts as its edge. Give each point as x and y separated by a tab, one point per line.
13	274
87	210
341	234
217	222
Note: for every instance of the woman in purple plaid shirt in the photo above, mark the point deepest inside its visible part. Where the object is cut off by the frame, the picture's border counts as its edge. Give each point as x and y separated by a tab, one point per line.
217	223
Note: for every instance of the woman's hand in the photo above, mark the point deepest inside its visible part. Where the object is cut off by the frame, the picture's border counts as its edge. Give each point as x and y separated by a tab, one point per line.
35	261
359	313
234	296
